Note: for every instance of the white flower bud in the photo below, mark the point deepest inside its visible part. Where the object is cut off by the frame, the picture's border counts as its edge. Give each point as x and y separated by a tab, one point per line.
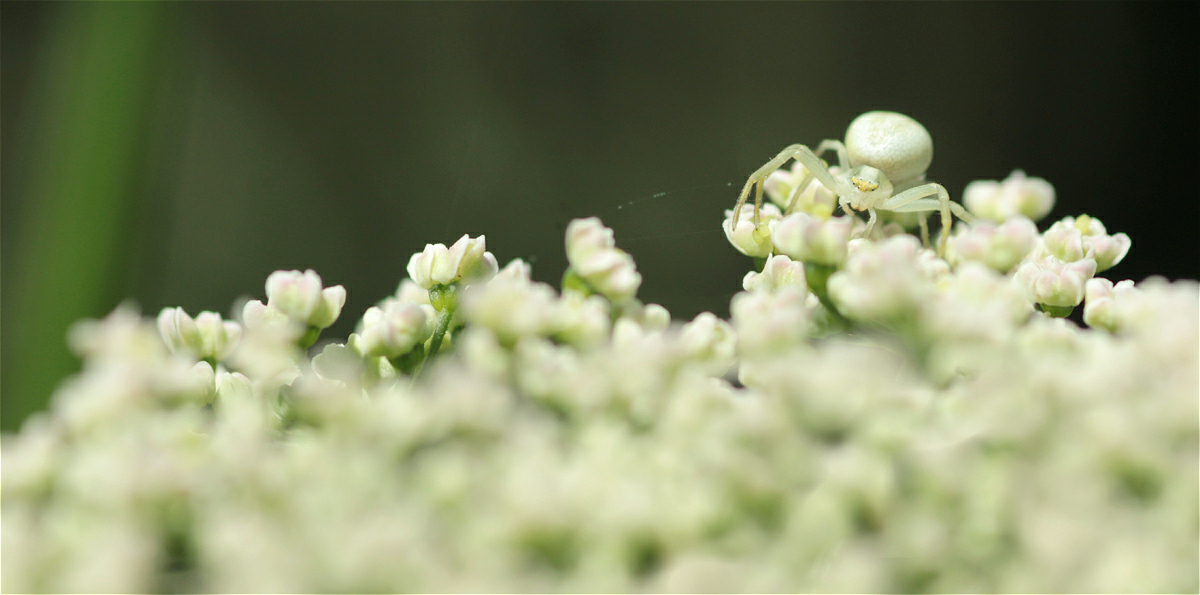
779	272
206	337
1073	239
466	262
301	297
813	240
1052	282
748	238
885	280
1016	195
394	329
593	255
1000	247
709	341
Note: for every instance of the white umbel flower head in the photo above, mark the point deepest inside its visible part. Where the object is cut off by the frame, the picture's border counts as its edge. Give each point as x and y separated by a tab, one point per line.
748	238
593	256
814	240
1053	282
302	298
205	337
1000	247
1073	239
1016	195
465	262
394	329
779	273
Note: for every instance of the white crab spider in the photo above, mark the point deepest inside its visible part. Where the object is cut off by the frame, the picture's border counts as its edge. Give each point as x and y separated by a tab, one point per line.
884	153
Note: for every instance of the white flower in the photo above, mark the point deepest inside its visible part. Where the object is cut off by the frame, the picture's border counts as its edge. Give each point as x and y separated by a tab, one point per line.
768	323
813	240
301	297
885	280
581	320
121	335
709	341
206	337
748	238
394	329
593	255
1052	282
1073	239
1115	307
512	307
814	199
1000	247
1016	195
467	262
779	272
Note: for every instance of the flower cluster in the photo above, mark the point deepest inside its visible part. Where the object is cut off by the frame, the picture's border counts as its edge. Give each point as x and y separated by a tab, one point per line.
871	418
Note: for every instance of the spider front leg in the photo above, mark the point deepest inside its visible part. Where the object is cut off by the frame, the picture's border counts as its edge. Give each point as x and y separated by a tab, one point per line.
929	197
800	153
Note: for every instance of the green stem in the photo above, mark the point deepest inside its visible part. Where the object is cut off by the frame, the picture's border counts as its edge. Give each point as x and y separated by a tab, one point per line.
818	276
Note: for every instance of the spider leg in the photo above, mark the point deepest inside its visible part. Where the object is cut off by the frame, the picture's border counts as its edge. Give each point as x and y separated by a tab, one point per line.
800	153
836	145
929	197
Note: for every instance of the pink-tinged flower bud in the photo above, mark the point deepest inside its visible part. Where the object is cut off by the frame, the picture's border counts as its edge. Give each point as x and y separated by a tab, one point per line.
1112	307
1000	247
814	240
748	238
1074	239
1016	195
1053	282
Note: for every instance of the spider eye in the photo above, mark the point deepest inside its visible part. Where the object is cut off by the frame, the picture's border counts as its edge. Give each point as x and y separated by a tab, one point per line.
863	185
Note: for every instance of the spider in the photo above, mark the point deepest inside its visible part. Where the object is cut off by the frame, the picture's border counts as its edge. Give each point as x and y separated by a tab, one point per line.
883	163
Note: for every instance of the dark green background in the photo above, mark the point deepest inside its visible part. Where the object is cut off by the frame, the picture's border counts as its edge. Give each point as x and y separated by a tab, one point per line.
177	154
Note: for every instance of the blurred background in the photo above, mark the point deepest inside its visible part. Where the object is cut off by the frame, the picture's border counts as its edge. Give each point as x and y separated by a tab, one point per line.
176	154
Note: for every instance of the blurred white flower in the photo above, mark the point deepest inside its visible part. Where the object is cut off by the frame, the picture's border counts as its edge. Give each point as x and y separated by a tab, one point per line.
302	297
709	341
814	240
1016	195
998	246
206	337
1074	239
887	280
768	323
466	262
779	273
748	238
593	255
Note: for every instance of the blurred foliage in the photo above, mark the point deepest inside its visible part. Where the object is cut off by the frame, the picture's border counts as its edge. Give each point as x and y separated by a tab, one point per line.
177	154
